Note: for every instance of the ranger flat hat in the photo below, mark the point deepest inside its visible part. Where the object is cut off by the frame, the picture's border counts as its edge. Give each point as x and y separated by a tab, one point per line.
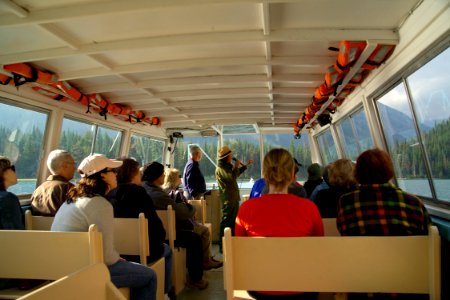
224	152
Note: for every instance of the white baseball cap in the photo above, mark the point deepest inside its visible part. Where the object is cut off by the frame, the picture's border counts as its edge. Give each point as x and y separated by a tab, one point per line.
95	163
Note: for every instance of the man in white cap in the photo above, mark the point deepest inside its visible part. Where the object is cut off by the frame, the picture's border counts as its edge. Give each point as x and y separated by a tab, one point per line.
226	175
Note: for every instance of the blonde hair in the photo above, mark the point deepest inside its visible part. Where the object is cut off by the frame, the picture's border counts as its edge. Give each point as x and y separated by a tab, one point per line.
278	166
341	173
171	179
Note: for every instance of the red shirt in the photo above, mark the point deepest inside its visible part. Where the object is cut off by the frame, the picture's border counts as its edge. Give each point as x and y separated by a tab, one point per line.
278	215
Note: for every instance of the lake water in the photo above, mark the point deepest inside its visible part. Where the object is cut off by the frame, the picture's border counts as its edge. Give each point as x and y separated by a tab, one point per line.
414	186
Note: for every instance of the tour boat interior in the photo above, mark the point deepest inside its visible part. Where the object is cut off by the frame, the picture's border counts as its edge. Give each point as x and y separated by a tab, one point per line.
325	79
200	65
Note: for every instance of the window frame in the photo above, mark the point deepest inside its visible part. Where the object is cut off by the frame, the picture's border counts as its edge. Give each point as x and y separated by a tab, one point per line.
401	78
350	116
46	133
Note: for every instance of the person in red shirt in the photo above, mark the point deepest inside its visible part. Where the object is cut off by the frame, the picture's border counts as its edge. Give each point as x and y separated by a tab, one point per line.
279	214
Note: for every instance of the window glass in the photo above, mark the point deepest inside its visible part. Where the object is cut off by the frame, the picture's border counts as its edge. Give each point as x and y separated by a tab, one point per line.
327	147
430	94
355	135
245	147
401	137
77	138
348	139
363	136
208	145
21	140
145	149
299	148
107	142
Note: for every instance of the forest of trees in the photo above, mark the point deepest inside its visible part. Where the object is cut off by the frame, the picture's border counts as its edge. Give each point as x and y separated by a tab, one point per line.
408	158
26	149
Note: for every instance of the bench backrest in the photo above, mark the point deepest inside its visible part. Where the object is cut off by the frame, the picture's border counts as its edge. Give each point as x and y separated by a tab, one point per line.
92	282
402	264
131	237
330	227
47	254
200	209
168	220
37	222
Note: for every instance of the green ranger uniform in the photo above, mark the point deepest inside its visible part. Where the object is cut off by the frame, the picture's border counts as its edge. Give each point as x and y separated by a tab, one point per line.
226	176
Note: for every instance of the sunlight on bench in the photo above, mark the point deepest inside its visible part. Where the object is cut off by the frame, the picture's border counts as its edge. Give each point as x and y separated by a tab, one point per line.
400	264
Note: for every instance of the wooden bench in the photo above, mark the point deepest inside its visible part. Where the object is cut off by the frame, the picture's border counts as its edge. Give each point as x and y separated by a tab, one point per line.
200	211
330	227
37	222
400	264
131	238
46	255
178	254
90	283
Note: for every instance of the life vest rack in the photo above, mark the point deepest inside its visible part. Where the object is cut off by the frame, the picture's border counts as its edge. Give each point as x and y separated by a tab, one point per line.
355	60
46	83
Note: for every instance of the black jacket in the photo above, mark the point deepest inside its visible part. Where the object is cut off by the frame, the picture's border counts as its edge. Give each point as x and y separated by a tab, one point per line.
128	201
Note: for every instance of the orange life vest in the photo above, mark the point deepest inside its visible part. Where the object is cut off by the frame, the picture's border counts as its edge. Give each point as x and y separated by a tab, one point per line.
349	52
323	91
23	73
49	93
378	56
5	80
73	93
334	76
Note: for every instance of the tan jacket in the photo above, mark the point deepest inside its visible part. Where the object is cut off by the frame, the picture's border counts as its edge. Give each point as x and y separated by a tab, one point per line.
50	195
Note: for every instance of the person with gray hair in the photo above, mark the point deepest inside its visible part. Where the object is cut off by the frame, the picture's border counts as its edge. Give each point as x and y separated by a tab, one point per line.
193	180
52	193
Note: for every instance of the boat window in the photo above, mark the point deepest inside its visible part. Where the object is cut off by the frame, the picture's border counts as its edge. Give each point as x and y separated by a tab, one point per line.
21	140
245	147
108	142
145	149
430	95
354	133
77	138
327	148
208	146
299	148
400	133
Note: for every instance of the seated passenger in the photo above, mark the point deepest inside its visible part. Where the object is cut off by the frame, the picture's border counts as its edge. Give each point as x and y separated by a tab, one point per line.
11	215
341	181
323	185
295	188
87	205
51	194
153	178
257	188
279	214
378	207
171	184
129	199
314	178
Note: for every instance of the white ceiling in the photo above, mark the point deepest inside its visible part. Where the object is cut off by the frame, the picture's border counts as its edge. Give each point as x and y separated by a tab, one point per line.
195	63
